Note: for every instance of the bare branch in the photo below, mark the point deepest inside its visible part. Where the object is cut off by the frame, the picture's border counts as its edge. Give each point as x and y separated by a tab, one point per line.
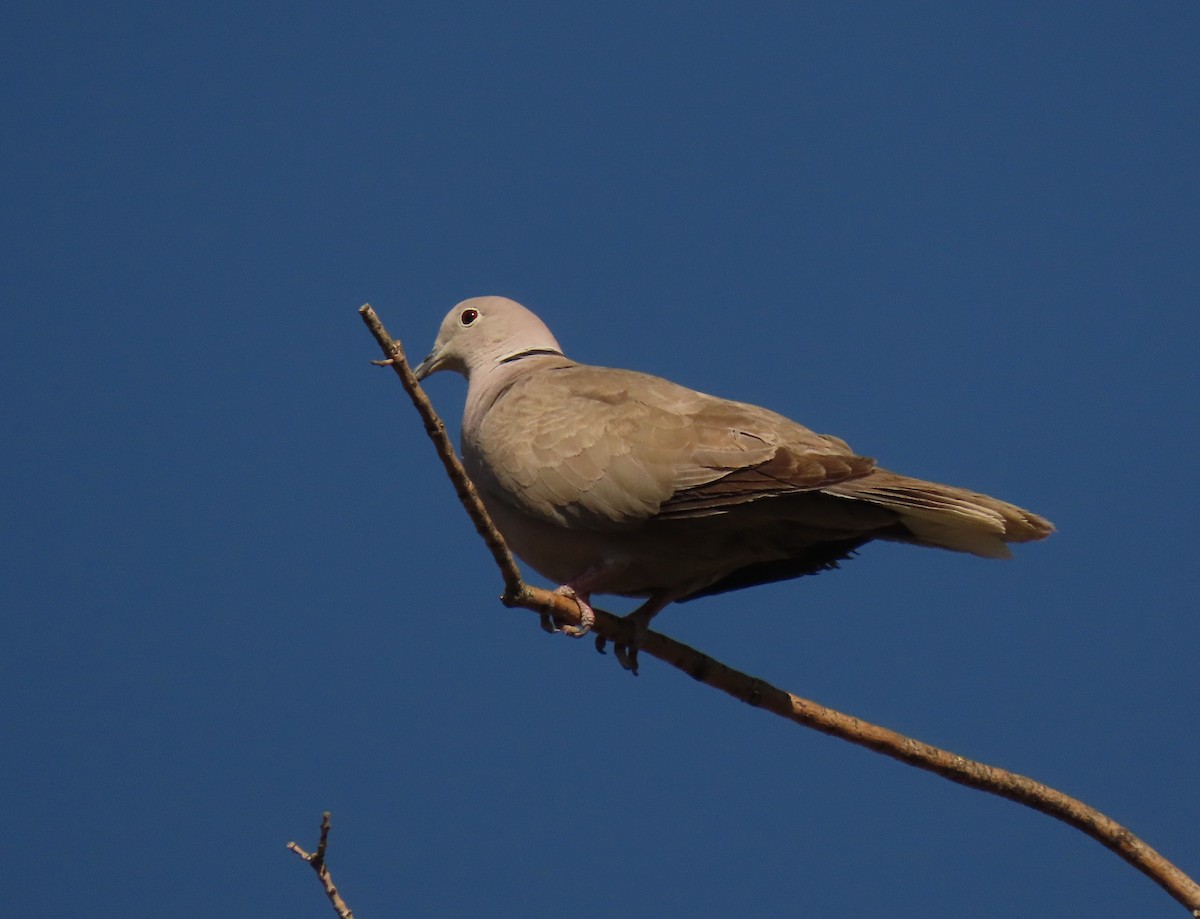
760	694
316	861
436	430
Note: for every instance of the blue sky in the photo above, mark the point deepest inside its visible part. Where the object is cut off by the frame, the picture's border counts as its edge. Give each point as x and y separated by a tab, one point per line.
238	591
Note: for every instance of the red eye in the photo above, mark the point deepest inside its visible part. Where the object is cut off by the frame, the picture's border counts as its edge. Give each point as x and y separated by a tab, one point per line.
468	316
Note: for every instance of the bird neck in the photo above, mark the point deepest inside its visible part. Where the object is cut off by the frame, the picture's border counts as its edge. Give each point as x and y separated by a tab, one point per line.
487	383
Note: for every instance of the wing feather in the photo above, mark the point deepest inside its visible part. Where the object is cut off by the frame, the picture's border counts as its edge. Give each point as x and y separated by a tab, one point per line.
605	448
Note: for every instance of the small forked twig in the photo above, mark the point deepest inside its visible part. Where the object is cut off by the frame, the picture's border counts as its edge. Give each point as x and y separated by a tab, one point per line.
760	694
316	861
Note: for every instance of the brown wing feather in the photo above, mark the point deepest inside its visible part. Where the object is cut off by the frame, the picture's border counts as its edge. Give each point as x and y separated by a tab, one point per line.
787	472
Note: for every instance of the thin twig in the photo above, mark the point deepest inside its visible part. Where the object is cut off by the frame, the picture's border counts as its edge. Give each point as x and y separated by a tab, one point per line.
760	694
436	430
316	861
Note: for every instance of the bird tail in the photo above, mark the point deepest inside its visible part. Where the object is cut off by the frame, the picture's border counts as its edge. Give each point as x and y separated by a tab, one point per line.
946	517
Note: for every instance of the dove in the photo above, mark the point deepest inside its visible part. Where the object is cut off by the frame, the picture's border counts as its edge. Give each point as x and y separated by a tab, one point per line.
609	481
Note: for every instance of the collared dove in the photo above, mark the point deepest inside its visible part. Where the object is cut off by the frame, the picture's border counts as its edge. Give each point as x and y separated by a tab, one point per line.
617	482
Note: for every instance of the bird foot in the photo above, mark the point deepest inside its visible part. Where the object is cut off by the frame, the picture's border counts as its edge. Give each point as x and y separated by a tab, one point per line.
587	617
627	657
627	654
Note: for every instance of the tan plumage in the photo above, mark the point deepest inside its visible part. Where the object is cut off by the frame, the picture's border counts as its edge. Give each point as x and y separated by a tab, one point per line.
612	481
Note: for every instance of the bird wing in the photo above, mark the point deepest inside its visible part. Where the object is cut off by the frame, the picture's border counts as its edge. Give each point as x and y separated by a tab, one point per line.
609	449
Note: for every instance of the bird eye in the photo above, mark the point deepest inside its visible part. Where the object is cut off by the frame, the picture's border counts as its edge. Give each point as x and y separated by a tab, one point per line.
468	316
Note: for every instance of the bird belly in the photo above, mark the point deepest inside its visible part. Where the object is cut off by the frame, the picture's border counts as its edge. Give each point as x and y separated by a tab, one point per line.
664	558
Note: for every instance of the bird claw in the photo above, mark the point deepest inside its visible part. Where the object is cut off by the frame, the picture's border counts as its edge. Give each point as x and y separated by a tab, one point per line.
627	657
587	616
627	654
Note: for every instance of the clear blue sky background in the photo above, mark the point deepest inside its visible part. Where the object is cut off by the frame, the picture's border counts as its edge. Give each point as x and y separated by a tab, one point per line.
237	590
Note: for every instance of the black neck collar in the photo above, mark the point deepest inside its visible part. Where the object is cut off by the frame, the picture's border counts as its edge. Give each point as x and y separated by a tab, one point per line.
532	352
